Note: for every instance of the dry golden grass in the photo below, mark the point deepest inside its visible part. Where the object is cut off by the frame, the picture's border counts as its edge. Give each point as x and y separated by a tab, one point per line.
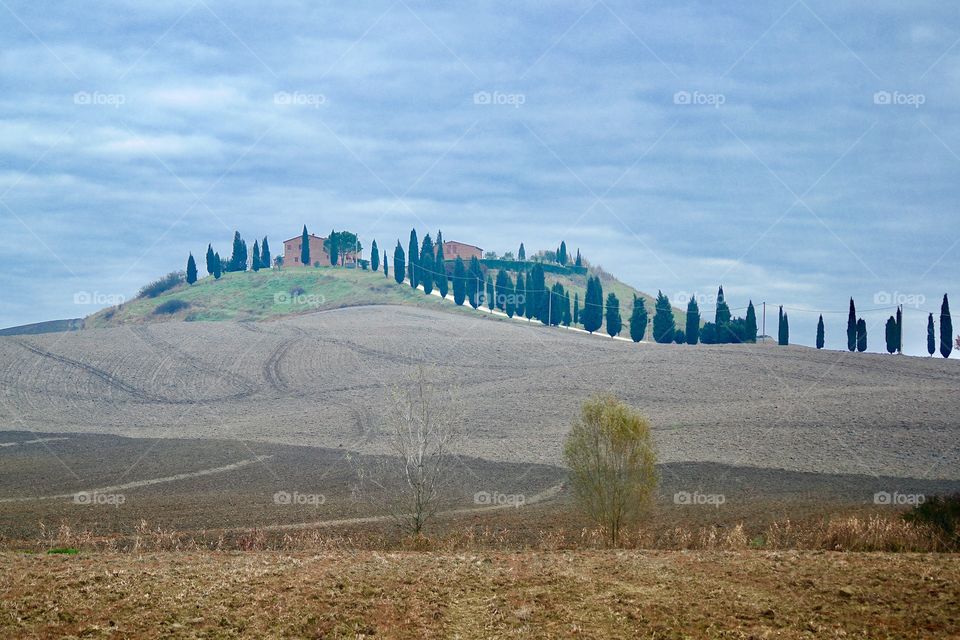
563	594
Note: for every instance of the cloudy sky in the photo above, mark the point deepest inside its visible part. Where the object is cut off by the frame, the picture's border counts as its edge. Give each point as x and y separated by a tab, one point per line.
797	151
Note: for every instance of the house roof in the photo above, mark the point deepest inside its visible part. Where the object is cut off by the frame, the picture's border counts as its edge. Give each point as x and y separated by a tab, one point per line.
299	237
462	244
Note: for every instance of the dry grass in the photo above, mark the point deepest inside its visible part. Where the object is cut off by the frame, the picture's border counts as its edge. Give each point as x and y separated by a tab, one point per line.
590	594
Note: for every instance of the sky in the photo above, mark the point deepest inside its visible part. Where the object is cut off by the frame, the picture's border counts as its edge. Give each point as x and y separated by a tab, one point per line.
797	152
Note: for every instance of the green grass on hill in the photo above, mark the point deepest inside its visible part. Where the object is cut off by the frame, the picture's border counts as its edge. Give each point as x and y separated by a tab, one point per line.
267	294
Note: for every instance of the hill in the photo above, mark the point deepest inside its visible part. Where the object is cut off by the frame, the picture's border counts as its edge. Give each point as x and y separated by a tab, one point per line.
51	326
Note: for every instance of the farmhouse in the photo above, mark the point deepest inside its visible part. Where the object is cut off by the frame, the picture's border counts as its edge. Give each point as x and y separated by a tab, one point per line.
453	250
318	252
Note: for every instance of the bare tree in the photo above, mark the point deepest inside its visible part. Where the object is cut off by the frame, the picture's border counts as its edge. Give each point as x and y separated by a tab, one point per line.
612	463
422	431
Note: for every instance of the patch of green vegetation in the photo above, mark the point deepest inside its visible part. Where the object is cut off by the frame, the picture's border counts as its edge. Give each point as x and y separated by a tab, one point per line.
63	551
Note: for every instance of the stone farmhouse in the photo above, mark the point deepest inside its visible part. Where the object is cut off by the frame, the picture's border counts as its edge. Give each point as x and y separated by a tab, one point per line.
318	253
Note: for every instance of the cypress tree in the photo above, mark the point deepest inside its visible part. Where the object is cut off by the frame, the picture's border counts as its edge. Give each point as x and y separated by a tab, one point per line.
508	294
852	327
782	338
899	321
576	308
890	334
538	294
191	270
256	256
491	298
238	261
412	269
530	298
305	248
567	315
475	283
931	336
425	265
663	323
820	333
751	325
522	253
440	270
217	266
459	282
722	319
502	280
211	260
946	328
374	257
861	335
679	337
592	314
520	295
614	321
333	246
692	334
399	268
562	254
386	266
638	319
265	254
579	261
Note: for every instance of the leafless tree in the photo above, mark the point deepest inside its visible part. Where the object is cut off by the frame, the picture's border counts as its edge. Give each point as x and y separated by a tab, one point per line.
422	430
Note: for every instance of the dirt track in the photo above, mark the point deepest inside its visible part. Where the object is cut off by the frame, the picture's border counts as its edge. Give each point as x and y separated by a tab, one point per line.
323	379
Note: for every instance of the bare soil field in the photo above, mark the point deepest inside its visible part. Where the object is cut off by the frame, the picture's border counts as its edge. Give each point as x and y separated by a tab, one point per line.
498	595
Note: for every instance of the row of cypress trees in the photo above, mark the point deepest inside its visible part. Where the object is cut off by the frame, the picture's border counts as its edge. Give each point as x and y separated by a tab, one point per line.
893	333
239	260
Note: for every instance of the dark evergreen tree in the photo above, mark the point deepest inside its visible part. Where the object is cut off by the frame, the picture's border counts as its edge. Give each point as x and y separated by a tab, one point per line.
475	283
212	260
663	323
679	337
786	329
459	282
579	262
425	265
413	251
861	335
692	334
191	270
502	293
890	334
946	328
520	295
305	248
638	319
567	315
491	296
217	266
614	321
576	308
722	316
265	258
852	327
782	337
238	261
538	295
255	264
751	325
522	253
530	308
508	294
592	314
333	247
399	266
562	254
899	321
374	257
820	333
708	334
931	336
386	266
440	270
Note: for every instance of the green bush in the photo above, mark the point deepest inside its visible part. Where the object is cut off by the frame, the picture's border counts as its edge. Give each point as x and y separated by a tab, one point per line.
171	307
162	285
942	513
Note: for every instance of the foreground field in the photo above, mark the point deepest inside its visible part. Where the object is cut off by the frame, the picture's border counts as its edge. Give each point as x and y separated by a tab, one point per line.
497	595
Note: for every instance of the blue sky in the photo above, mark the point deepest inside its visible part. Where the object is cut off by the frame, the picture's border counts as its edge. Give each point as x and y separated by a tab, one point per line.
798	152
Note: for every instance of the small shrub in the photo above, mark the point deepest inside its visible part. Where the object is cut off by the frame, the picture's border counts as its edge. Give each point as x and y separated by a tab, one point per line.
678	337
63	551
942	514
296	292
170	307
165	283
